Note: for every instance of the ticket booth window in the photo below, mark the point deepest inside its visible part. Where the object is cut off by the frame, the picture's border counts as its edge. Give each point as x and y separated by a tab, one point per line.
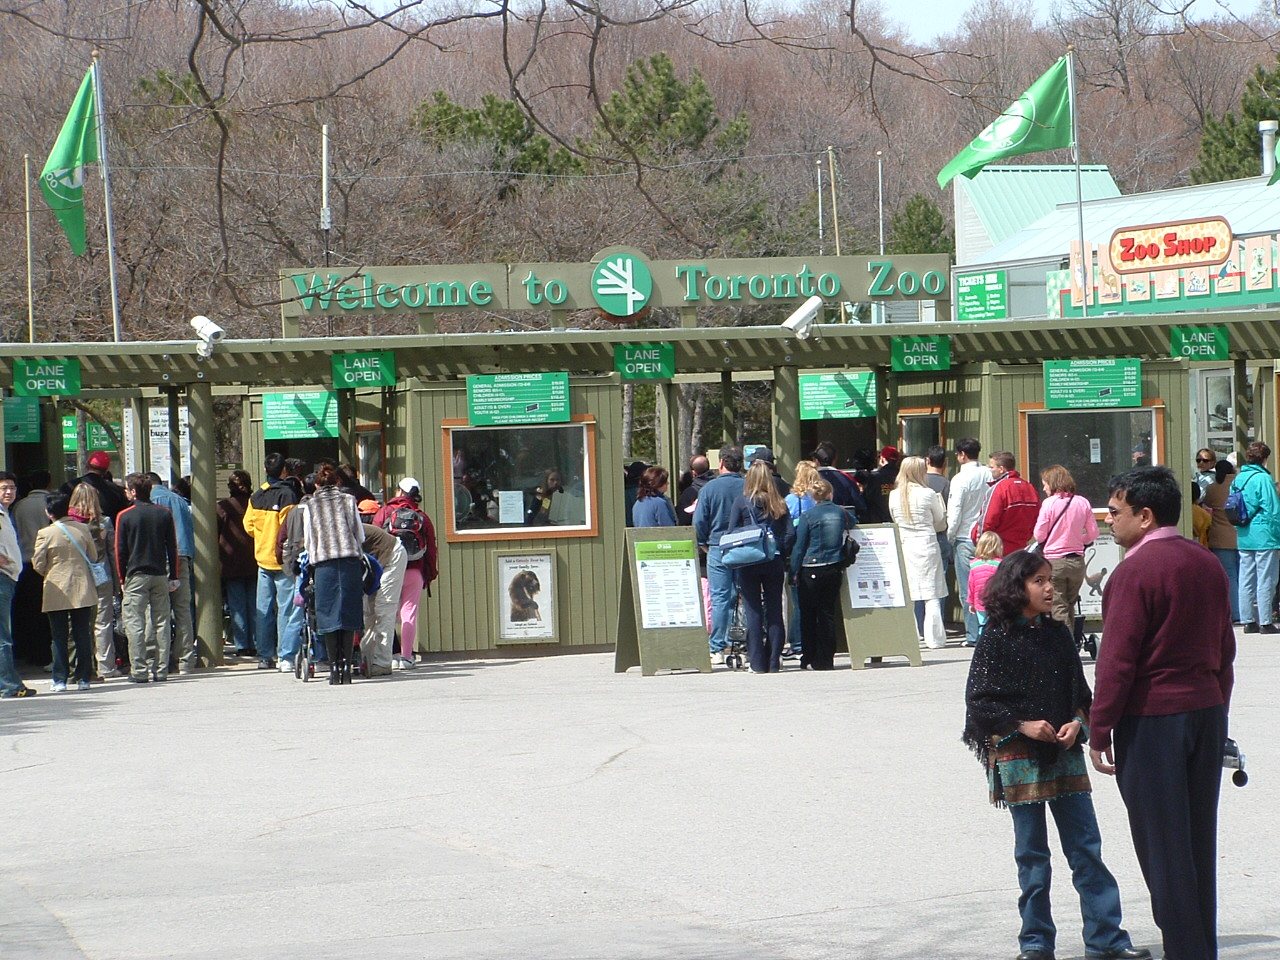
919	430
520	481
1094	445
370	450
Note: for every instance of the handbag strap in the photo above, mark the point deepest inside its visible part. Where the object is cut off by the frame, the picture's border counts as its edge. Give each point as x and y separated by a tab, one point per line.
71	540
1054	526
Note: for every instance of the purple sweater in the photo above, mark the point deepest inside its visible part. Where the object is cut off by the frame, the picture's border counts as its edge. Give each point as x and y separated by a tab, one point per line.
1167	642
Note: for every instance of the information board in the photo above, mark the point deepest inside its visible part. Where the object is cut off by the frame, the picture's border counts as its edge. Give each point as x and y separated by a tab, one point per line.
97	438
46	377
300	416
1092	384
512	398
982	296
920	353
1199	343
22	419
645	361
661	623
837	396
667	585
69	434
375	369
878	620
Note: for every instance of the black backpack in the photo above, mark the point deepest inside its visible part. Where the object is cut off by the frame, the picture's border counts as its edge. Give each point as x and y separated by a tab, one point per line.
410	528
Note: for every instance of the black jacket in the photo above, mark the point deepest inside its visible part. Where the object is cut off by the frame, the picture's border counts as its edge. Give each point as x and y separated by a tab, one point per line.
110	497
689	497
146	541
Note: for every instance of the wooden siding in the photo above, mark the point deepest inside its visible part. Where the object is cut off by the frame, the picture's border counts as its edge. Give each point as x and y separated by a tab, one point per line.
958	392
461	614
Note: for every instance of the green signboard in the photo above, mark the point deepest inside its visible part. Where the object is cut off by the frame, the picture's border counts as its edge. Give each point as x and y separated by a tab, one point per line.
46	378
1088	384
837	396
498	399
300	416
982	296
664	550
920	353
69	434
1199	343
96	437
621	284
376	369
645	361
22	419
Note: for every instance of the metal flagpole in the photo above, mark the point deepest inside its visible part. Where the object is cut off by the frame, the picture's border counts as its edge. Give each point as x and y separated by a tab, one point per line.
821	248
326	214
106	197
835	213
31	303
1086	257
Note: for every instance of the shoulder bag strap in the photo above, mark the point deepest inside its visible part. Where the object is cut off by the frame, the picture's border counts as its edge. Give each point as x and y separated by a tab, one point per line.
72	540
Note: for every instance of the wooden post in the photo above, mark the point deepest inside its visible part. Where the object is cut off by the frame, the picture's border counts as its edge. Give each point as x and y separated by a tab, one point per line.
728	414
204	513
786	419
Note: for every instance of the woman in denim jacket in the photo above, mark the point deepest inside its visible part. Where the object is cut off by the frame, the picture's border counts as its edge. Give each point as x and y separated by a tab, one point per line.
816	567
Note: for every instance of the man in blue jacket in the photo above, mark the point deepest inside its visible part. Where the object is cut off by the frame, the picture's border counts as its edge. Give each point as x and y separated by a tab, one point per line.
710	523
1258	540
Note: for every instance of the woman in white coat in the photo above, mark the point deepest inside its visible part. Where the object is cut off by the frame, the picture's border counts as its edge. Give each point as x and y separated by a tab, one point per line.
920	515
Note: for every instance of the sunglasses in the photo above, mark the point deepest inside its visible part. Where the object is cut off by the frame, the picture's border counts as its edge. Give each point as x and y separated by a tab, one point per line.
1205	460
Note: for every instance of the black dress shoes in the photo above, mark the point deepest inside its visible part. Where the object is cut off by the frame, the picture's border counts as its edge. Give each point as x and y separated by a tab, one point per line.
1035	955
1124	953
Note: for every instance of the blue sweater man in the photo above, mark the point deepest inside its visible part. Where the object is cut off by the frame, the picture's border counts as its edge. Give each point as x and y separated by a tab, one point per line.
710	523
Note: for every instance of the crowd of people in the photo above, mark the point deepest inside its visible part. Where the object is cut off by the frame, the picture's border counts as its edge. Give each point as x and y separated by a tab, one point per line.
303	555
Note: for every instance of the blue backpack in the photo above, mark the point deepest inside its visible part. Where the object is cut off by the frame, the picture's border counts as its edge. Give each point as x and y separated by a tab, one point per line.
1236	509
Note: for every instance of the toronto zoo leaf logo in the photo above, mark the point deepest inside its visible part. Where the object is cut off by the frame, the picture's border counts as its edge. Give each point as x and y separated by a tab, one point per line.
621	284
66	184
1010	128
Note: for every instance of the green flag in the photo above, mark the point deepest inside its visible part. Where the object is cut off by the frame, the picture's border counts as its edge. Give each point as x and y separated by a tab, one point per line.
1038	120
62	179
1276	173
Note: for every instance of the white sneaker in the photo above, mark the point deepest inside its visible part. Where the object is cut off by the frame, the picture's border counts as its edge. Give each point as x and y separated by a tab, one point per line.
284	666
717	658
84	685
57	687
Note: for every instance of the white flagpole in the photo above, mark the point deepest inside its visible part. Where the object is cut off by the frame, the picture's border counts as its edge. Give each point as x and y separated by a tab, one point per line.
1086	256
106	195
31	302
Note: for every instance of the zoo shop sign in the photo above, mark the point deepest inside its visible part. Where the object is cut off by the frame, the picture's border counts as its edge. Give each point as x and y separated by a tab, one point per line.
620	283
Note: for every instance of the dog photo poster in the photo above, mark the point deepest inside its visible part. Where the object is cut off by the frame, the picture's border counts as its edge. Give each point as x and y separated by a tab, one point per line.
526	597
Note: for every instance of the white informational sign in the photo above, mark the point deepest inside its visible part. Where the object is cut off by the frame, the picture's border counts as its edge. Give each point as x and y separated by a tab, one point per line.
875	580
1100	559
1095	450
158	429
667	577
510	506
526	597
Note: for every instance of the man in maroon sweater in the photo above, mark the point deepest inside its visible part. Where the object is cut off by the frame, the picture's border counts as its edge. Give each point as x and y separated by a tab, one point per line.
1163	686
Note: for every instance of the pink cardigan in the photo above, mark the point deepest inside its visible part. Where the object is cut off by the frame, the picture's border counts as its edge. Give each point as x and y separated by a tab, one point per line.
1076	527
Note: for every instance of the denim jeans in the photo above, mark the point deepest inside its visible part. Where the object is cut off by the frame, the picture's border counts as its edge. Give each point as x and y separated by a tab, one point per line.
962	558
761	587
1230	560
10	681
1257	585
724	596
240	604
1082	845
74	626
277	628
819	589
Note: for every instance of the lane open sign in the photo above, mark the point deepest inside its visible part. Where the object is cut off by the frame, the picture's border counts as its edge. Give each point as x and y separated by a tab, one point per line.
920	353
46	378
645	361
1199	343
376	369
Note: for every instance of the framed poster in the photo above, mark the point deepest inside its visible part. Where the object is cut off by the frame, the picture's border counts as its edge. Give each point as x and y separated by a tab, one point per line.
526	598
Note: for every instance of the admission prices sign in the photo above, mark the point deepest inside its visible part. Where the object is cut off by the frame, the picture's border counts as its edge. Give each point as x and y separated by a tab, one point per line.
351	370
1199	343
1092	384
982	296
46	378
645	361
300	416
910	354
500	399
22	419
837	396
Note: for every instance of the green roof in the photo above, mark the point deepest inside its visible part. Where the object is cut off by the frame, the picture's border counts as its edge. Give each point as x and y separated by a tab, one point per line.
1007	199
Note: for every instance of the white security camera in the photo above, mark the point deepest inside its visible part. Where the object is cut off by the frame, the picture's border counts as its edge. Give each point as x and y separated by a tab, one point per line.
802	319
207	330
204	350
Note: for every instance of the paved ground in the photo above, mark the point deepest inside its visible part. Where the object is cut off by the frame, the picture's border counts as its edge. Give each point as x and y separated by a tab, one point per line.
548	808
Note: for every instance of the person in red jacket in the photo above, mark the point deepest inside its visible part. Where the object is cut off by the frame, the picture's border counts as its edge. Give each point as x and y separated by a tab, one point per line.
1159	716
403	517
1012	505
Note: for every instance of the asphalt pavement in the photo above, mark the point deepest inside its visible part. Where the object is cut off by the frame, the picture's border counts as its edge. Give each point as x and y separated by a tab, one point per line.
548	808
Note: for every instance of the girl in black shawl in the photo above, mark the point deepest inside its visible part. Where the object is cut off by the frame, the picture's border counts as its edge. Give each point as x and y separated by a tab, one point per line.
1026	718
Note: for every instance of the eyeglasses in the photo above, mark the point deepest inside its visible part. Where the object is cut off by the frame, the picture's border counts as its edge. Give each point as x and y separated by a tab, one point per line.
1113	510
1205	460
